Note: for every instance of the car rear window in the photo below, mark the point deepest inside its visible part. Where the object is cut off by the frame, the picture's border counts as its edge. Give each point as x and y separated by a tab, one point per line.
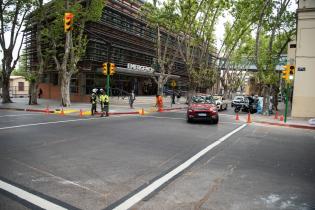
203	100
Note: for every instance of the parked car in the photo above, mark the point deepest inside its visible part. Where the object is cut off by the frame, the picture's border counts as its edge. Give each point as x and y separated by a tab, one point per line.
220	102
203	108
237	100
248	104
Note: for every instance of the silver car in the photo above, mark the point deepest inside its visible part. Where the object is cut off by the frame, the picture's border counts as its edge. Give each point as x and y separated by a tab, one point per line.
220	102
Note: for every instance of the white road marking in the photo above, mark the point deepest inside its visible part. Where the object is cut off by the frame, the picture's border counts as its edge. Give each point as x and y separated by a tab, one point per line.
159	182
56	122
34	199
17	115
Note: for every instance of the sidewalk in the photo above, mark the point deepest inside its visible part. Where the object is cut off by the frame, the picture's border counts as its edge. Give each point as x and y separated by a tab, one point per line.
117	106
279	120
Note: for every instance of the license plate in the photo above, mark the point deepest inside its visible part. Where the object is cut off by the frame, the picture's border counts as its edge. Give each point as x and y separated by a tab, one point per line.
202	114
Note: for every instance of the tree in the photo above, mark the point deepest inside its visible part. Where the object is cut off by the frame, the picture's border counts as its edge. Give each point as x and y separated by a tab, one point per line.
73	43
275	28
161	20
33	75
196	24
12	16
232	53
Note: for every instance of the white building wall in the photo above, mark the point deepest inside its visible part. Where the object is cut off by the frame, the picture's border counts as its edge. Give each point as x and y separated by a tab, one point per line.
304	83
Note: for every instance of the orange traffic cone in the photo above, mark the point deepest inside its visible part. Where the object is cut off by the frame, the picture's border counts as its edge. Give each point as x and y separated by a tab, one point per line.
281	118
142	111
62	112
276	115
237	117
248	118
81	113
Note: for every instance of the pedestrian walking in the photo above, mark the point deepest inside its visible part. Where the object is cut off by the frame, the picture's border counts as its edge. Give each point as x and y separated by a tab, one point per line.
104	100
132	98
173	97
40	93
93	100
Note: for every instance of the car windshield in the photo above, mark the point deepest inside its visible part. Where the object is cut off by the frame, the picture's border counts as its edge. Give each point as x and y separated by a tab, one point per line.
238	98
203	100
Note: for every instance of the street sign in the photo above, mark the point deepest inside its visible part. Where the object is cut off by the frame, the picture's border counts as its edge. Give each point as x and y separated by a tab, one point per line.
173	83
301	68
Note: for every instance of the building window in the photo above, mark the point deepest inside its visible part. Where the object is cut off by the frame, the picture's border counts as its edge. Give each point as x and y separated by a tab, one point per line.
54	78
21	86
74	85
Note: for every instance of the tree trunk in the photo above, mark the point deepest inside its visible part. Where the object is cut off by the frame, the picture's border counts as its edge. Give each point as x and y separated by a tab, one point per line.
33	93
65	90
266	101
5	88
160	86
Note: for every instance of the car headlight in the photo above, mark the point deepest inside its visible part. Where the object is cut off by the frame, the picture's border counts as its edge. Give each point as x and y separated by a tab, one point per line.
213	109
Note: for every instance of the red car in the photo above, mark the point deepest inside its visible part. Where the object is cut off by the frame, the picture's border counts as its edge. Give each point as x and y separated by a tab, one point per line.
203	108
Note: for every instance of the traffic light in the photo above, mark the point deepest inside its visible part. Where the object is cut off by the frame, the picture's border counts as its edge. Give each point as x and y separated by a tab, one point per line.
112	69
105	68
68	21
286	72
292	71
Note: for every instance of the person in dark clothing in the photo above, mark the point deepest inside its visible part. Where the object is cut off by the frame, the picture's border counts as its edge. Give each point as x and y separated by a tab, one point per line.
173	97
40	92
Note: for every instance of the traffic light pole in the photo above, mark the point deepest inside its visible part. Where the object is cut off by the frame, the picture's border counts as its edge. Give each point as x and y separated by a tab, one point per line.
286	102
107	83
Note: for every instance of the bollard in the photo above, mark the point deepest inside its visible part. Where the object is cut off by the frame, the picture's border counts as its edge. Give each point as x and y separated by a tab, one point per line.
81	113
47	110
281	118
62	112
248	118
276	115
237	117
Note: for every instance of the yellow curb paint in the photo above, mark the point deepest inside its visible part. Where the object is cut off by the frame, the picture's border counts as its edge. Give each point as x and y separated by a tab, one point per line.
87	113
67	111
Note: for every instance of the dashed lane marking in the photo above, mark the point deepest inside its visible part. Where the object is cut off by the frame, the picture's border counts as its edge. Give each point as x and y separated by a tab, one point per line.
34	199
128	203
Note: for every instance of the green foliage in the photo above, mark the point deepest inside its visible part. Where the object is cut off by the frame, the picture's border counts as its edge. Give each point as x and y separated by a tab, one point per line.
53	30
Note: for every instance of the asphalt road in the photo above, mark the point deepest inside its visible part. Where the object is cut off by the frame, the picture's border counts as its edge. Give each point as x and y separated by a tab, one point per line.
99	163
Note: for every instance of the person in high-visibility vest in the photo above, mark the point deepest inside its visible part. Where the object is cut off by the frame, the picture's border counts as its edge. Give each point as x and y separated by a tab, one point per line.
104	100
93	101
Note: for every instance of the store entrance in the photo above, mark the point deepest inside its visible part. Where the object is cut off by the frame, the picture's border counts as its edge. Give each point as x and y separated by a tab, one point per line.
141	85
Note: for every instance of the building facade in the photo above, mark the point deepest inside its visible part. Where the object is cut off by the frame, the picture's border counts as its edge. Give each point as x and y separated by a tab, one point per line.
18	87
304	88
120	37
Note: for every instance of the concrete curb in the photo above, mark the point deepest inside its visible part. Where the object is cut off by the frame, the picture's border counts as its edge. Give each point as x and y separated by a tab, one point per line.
98	113
287	125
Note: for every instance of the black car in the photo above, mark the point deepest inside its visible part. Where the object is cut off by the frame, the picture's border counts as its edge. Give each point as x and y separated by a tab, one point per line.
248	104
